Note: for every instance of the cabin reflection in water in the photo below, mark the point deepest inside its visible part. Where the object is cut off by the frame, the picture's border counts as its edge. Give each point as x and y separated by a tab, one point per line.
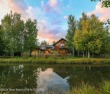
48	82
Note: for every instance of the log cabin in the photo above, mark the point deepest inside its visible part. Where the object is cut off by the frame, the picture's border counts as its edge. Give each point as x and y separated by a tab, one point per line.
59	47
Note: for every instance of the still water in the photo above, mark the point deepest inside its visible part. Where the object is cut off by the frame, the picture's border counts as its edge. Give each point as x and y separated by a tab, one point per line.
46	79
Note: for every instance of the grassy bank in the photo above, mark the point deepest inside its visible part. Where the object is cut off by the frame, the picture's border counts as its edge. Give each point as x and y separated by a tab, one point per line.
104	88
55	61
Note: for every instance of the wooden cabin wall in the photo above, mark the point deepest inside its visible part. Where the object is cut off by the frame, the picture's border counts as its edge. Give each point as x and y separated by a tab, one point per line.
58	45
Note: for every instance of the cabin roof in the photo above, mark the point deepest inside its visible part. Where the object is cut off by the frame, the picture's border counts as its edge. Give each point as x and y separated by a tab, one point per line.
59	41
46	47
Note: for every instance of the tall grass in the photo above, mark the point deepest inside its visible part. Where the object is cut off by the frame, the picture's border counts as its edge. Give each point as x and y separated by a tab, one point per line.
104	88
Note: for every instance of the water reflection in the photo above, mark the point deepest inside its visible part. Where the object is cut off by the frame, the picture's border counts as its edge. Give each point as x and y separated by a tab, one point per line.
17	76
51	77
50	82
16	68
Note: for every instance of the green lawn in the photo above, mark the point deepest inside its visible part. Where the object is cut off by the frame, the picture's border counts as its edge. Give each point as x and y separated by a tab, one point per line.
58	60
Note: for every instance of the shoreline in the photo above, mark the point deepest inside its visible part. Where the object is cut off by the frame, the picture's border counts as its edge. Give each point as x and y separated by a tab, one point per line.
74	61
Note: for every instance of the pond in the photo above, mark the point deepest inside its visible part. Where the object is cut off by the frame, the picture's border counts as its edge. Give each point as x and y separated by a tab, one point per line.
45	79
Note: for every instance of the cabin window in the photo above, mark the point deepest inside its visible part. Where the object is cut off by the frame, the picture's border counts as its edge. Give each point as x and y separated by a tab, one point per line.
62	45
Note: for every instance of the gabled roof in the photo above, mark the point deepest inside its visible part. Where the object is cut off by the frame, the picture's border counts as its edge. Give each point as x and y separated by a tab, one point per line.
46	47
59	41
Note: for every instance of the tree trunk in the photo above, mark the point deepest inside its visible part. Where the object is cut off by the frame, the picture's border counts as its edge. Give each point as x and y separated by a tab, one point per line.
92	54
88	54
73	51
12	54
78	53
36	53
83	54
30	53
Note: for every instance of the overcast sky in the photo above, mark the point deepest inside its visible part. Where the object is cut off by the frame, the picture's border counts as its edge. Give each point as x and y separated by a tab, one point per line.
52	15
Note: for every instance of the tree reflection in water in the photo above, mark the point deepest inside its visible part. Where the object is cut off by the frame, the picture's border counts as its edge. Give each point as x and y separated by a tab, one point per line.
31	76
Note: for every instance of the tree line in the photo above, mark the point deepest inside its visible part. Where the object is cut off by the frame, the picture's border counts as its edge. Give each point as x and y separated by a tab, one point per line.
88	35
17	36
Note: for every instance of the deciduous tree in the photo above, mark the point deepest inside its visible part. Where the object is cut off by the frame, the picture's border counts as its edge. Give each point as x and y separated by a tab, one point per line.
2	45
30	35
105	3
71	32
92	37
13	28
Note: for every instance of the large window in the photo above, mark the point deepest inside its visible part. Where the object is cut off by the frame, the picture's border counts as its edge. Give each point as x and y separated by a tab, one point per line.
62	45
